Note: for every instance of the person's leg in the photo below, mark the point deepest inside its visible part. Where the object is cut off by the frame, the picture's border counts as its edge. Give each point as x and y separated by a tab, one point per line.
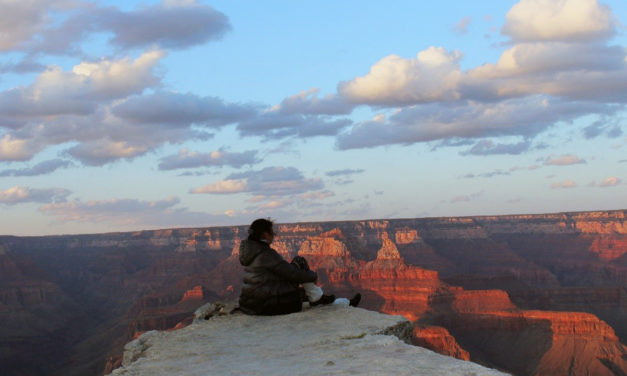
353	302
314	293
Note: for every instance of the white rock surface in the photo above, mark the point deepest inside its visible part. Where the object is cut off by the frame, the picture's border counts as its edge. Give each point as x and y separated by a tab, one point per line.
329	340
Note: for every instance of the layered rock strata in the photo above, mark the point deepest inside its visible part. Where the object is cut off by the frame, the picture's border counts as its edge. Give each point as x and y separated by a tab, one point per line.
82	297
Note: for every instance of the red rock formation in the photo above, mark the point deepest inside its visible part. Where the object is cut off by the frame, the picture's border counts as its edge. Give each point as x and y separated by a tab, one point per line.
406	236
438	339
609	248
116	285
193	294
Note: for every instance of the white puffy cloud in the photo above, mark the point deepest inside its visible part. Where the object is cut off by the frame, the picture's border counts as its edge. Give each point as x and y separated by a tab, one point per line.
558	67
118	78
572	20
100	152
79	91
588	71
571	71
267	182
19	195
216	158
530	59
94	105
432	76
17	149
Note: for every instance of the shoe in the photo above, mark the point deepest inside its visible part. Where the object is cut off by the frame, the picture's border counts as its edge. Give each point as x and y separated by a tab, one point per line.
354	302
325	299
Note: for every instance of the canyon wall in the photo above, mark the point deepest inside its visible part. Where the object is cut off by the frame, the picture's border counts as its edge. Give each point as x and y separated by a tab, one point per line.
528	294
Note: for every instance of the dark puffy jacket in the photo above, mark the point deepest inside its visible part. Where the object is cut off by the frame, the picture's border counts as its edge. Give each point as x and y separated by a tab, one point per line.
270	283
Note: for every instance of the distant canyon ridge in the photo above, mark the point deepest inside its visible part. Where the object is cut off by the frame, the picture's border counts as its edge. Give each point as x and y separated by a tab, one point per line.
528	294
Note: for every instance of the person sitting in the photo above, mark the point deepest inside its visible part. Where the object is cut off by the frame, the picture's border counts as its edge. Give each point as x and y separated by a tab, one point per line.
271	284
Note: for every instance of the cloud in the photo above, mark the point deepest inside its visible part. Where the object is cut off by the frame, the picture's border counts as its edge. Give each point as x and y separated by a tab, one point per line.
23	66
217	158
465	198
96	106
320	195
303	202
575	71
268	182
135	212
173	108
78	92
20	20
462	25
440	121
564	184
100	152
487	174
33	26
227	186
276	124
612	181
561	69
345	172
558	67
308	103
487	147
569	20
432	76
41	168
563	160
19	195
611	128
167	25
13	148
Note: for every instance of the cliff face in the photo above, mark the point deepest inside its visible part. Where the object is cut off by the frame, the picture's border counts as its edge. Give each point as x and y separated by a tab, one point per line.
324	340
84	296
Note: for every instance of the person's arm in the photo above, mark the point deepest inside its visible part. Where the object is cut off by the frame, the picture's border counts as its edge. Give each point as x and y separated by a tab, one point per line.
291	272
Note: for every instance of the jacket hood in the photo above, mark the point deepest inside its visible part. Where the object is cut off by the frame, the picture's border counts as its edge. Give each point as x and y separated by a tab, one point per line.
249	249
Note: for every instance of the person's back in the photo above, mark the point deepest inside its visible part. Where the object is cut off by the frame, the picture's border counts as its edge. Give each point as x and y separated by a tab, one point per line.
270	283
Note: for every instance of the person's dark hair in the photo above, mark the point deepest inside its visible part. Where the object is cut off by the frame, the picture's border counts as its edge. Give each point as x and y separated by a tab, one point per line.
258	227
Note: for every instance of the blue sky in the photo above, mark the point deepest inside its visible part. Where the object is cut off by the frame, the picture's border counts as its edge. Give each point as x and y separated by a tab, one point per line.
119	116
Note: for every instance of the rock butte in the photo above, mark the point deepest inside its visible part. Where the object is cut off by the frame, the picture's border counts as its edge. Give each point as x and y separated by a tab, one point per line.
529	294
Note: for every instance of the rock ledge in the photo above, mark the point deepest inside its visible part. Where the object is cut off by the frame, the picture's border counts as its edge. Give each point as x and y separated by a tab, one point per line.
330	340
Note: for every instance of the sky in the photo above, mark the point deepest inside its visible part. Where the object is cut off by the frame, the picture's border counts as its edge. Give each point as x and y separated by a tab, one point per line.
130	115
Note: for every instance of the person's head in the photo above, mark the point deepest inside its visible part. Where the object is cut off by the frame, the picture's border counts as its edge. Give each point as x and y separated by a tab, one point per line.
261	229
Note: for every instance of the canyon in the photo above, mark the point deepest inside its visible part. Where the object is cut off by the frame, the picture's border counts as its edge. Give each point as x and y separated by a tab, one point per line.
528	294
